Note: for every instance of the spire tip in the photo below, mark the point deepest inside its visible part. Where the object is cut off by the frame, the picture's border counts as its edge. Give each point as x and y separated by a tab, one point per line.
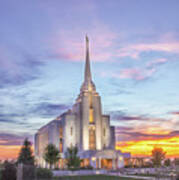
87	38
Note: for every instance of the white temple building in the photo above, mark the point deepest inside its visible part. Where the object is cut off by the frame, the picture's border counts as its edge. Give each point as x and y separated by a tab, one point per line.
84	126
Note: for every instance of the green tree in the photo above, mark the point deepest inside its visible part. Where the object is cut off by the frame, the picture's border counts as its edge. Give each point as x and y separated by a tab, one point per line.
158	155
25	155
73	161
51	154
167	162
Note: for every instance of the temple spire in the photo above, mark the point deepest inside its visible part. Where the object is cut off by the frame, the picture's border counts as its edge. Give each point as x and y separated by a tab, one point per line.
88	77
88	84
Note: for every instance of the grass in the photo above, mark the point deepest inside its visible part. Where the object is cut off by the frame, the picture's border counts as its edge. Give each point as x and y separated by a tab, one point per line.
0	174
93	177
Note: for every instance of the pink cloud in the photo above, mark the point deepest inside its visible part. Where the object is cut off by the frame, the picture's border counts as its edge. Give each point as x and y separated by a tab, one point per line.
135	49
70	46
136	73
131	73
159	61
175	113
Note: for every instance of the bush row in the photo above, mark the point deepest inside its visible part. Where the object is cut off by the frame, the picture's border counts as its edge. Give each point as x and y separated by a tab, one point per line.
9	172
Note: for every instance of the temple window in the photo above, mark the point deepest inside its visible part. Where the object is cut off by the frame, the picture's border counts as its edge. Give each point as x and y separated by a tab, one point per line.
71	131
92	138
61	132
61	147
104	132
91	120
60	139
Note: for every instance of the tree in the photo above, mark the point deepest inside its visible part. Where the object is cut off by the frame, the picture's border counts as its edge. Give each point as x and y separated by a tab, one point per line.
157	156
51	154
167	162
73	161
25	155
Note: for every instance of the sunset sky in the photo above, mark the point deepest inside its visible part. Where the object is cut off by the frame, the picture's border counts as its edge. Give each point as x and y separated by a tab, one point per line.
134	51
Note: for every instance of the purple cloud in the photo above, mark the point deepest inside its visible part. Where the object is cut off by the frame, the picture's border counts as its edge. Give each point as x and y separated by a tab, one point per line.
122	116
49	109
13	139
128	135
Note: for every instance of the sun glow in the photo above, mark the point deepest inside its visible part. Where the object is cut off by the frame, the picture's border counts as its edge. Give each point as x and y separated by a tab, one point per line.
9	152
144	147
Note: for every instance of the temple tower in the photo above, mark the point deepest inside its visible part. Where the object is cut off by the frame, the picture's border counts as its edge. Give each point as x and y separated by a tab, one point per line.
91	116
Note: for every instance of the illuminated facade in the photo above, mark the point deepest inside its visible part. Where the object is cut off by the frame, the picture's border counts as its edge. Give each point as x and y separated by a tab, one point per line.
83	126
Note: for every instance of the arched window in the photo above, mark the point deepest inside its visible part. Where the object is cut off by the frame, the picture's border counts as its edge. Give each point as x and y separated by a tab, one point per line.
61	139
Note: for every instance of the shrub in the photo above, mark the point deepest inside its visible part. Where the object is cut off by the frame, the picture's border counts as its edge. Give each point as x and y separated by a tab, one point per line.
128	166
43	173
177	178
28	172
87	167
9	171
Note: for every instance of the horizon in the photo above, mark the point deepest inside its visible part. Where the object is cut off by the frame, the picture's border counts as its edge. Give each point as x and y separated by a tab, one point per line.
134	52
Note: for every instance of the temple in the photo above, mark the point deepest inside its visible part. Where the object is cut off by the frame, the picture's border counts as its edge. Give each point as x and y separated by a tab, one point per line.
83	126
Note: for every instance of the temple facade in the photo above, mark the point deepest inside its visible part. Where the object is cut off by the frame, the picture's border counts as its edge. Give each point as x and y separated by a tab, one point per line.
84	126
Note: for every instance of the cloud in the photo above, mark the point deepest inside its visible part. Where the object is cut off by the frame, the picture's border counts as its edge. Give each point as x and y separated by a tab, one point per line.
68	45
49	109
142	73
175	112
19	68
103	45
128	135
139	134
136	73
122	128
157	62
122	116
6	120
12	139
135	50
10	117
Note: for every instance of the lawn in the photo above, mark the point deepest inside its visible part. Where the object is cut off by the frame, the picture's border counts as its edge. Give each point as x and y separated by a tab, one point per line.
93	177
0	174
